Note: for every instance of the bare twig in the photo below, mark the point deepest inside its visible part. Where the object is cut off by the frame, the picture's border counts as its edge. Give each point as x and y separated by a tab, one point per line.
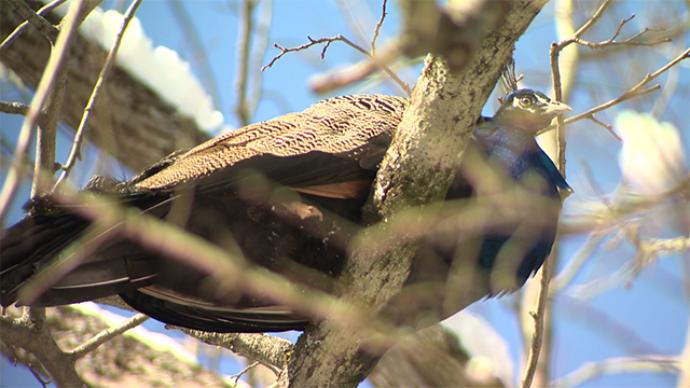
45	87
44	160
13	107
22	27
105	336
75	152
244	43
377	29
637	364
608	127
623	97
568	273
372	64
245	370
262	36
359	71
556	49
312	42
631	41
41	24
593	19
539	317
635	91
649	250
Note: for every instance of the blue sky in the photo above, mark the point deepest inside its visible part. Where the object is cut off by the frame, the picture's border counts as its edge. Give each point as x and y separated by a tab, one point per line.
647	315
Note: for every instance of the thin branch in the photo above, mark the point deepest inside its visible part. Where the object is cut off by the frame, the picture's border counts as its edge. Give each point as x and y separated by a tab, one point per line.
243	371
75	152
313	42
650	250
356	73
541	336
262	37
593	19
37	21
634	91
244	40
631	41
608	127
44	160
575	264
629	94
13	107
105	336
539	318
377	29
55	64
638	364
23	26
556	48
359	71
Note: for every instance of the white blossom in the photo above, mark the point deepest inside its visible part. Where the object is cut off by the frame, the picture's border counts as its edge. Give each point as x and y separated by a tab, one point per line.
488	351
652	158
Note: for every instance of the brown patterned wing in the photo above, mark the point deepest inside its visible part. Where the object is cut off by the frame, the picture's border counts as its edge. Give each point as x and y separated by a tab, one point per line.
333	142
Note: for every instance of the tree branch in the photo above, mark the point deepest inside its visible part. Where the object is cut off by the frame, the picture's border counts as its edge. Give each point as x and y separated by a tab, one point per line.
637	364
23	333
106	335
134	125
272	351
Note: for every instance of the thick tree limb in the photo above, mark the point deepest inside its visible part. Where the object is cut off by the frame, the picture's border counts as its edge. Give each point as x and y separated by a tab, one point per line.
20	332
131	122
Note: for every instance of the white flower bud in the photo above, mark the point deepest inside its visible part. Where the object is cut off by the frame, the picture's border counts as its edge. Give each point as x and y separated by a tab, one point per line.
652	158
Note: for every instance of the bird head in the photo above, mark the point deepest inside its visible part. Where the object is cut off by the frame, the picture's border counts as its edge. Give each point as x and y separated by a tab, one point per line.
529	110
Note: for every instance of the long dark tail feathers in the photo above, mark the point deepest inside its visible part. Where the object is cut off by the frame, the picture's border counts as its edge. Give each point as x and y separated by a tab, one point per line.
33	243
27	246
213	319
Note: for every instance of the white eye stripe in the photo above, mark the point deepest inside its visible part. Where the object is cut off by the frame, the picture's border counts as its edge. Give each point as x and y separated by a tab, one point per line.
542	100
536	100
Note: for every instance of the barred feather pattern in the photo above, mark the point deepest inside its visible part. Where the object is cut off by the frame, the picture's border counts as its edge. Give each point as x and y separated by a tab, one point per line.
341	126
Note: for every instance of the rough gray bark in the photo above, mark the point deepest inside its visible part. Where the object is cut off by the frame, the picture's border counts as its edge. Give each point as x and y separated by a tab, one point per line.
131	122
416	170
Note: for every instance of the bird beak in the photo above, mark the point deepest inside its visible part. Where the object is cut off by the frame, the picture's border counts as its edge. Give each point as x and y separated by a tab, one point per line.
557	108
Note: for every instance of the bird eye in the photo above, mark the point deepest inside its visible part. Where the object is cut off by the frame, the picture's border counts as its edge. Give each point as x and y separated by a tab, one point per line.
526	101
